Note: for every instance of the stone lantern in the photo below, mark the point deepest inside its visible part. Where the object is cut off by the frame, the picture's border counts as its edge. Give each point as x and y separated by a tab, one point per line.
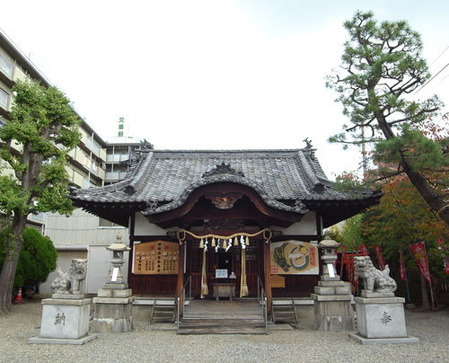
113	305
329	247
117	248
332	297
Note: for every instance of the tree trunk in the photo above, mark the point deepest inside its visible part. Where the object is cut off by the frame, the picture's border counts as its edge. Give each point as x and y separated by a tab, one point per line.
425	302
433	199
8	273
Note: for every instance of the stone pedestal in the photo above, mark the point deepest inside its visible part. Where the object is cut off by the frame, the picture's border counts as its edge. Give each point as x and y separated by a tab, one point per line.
333	306
64	321
381	320
113	309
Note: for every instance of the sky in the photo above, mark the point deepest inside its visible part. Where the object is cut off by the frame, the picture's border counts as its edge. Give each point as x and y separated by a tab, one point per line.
212	74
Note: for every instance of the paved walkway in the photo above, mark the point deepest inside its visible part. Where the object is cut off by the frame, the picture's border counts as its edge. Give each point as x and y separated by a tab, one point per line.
297	345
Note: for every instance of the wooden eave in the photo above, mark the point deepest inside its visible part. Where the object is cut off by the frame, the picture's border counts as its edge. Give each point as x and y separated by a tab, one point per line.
118	213
251	207
335	211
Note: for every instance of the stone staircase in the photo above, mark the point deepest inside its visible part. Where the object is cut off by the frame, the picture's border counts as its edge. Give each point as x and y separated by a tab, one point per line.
164	310
284	312
244	316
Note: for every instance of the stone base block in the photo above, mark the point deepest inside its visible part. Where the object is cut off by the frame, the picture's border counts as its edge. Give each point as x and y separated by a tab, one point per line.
108	325
381	318
366	341
80	341
334	323
64	320
367	294
113	314
114	293
333	288
68	296
333	313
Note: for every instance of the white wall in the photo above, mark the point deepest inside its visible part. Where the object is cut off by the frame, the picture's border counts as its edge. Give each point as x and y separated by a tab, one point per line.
98	268
307	226
63	262
144	228
81	228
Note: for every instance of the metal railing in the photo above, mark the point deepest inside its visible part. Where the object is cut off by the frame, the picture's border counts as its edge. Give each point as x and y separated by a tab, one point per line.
178	301
263	301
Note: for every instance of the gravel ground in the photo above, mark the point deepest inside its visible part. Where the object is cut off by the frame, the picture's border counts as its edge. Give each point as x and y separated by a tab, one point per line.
299	345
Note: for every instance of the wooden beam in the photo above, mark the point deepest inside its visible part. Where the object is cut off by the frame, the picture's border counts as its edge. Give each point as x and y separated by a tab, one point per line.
180	282
266	257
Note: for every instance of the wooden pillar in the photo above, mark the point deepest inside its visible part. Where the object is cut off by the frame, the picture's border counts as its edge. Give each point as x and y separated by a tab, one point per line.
180	281
266	257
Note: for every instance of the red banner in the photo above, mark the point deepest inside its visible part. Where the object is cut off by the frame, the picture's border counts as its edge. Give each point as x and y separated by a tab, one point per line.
364	250
442	248
419	251
402	266
379	257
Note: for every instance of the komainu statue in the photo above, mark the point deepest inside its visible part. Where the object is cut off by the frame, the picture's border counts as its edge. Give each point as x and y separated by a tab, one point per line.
70	282
374	280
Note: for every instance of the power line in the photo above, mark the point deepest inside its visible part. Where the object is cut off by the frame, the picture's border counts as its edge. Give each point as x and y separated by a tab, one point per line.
439	55
431	79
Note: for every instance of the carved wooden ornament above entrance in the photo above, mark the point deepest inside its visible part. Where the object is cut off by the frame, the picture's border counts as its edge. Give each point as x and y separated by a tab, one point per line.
223	200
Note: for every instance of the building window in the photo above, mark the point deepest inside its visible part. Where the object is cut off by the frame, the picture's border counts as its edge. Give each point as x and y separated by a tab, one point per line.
105	223
6	66
4	98
120	127
120	134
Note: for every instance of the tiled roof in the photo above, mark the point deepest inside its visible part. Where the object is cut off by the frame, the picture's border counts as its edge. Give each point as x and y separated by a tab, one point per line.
163	180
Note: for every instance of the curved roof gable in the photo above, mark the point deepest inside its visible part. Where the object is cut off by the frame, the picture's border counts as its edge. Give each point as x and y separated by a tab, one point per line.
163	179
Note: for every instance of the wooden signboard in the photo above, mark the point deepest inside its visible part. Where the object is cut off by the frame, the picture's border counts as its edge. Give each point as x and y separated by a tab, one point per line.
156	258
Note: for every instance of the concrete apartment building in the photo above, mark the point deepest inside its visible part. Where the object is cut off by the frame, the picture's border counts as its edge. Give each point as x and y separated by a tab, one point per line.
94	162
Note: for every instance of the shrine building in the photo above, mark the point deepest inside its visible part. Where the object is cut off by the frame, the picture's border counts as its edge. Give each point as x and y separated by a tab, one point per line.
246	219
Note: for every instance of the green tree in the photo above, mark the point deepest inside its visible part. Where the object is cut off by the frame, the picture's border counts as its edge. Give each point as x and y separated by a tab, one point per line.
41	130
381	66
37	257
400	219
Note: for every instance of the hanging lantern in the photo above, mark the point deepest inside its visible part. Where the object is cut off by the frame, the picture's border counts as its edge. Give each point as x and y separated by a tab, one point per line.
247	241
236	241
201	243
214	244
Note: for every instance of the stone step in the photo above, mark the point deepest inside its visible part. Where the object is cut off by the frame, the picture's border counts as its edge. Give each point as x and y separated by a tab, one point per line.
220	326
284	313
163	311
223	330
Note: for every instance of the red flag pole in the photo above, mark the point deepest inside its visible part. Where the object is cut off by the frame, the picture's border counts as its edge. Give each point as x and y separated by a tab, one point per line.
419	251
342	260
403	273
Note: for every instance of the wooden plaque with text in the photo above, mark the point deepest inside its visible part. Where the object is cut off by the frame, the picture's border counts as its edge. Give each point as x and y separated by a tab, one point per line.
156	258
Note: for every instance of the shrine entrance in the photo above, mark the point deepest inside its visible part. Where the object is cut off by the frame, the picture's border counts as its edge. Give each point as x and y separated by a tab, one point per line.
222	264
